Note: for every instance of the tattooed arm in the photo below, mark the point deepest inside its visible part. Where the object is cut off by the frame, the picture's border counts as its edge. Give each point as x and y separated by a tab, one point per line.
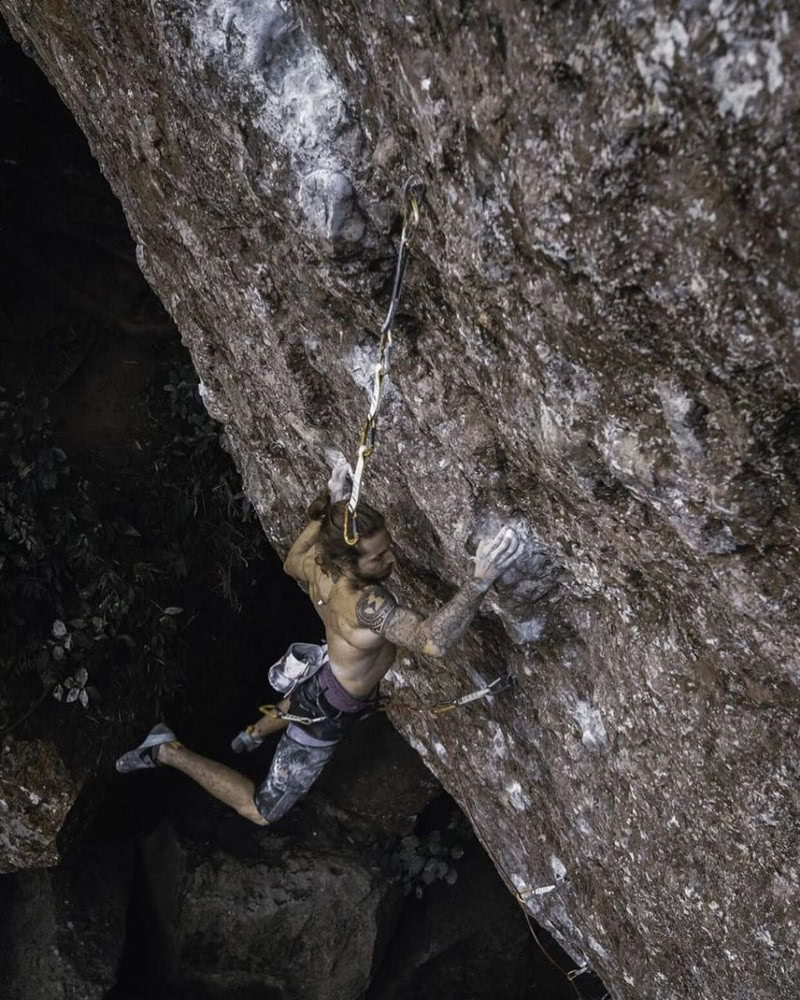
378	611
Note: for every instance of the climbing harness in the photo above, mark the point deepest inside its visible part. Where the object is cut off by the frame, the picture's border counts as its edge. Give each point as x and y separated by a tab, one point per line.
412	196
497	686
502	683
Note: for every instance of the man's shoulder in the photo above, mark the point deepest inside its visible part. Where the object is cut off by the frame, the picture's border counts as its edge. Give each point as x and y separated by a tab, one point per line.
375	607
312	566
304	567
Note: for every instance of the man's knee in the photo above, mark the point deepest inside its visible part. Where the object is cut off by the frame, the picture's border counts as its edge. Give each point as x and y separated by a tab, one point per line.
250	811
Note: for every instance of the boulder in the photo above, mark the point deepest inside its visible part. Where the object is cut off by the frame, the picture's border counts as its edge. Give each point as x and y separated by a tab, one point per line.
597	343
285	923
63	929
36	794
375	783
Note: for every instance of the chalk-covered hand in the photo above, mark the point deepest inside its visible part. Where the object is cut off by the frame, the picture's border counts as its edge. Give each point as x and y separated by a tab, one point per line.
341	481
496	555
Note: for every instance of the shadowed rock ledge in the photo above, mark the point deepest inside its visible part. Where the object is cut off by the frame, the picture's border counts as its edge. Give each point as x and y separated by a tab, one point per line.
598	343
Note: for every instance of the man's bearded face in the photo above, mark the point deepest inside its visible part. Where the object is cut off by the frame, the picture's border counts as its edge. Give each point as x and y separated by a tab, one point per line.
375	558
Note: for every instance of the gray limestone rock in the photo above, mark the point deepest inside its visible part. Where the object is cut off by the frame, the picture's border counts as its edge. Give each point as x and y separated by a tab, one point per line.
598	340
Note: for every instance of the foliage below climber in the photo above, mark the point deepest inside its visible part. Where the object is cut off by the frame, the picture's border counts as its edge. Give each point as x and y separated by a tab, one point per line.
330	687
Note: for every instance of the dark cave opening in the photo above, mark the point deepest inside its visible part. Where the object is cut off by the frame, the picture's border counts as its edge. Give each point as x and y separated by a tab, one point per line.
82	330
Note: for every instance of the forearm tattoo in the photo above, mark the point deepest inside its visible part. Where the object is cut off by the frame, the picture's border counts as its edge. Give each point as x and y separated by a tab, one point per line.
375	609
446	626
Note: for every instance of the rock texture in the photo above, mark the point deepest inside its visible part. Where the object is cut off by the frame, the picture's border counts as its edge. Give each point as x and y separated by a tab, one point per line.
598	342
36	795
283	924
62	930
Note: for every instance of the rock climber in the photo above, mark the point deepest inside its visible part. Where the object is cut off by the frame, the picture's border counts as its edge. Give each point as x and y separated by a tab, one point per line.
364	626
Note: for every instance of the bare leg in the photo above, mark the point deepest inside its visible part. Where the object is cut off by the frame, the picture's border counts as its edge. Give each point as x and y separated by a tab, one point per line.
222	782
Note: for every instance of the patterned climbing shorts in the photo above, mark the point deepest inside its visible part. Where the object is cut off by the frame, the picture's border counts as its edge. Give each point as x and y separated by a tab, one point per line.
303	751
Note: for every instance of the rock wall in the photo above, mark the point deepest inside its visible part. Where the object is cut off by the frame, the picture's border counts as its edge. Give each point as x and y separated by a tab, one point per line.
36	795
598	343
62	930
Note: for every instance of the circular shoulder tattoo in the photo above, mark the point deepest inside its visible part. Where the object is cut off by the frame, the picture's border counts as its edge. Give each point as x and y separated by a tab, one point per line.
375	608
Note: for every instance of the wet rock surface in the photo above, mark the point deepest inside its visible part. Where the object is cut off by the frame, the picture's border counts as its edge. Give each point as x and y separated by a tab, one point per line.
597	342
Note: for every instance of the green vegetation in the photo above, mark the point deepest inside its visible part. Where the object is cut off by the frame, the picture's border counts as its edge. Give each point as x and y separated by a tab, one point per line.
419	860
100	576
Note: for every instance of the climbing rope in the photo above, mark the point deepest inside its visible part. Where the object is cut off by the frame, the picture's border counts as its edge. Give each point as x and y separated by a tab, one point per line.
496	687
412	196
523	896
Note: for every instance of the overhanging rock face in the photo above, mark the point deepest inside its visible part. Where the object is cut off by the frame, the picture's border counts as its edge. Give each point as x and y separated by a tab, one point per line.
599	343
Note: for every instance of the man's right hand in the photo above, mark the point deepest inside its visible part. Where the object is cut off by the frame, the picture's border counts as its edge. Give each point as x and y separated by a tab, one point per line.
496	555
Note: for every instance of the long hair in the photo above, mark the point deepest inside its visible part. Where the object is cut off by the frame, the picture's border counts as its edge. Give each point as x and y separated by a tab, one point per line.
335	555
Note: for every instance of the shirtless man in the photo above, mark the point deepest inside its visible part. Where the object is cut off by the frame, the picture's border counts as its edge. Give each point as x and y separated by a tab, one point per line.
364	626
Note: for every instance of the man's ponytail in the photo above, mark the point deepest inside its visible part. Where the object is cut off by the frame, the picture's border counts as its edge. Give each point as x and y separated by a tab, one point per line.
334	553
320	506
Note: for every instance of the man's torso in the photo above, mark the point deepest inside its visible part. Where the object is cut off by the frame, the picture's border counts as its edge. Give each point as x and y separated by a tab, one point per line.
359	658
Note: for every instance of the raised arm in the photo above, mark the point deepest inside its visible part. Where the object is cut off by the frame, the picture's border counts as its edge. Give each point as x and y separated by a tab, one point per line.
295	562
378	611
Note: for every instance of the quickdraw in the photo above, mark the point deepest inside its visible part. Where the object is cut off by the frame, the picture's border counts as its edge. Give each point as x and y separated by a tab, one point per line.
499	684
412	196
274	712
524	895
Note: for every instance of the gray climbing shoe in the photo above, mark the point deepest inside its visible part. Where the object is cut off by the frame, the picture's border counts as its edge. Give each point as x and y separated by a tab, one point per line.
143	755
245	742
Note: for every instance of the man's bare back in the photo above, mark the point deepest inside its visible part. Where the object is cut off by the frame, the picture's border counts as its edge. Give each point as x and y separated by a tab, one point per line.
359	655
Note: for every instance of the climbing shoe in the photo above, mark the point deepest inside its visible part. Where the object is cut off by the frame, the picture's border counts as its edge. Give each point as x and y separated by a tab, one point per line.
144	755
245	742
